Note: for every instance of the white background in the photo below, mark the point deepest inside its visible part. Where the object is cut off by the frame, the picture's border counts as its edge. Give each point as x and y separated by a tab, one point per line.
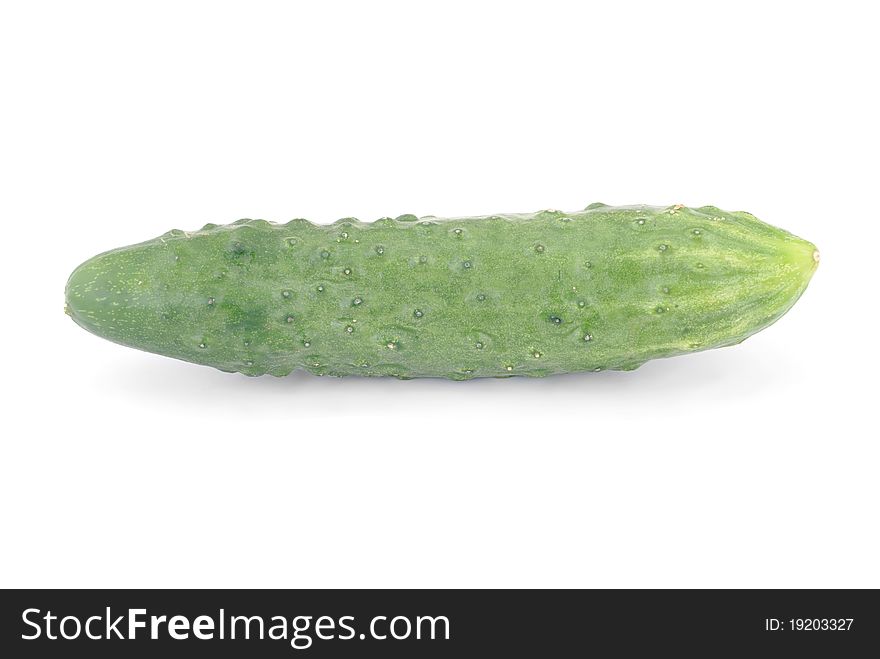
750	466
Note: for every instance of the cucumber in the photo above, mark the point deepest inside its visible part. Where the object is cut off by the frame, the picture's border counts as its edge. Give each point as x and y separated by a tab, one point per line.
500	295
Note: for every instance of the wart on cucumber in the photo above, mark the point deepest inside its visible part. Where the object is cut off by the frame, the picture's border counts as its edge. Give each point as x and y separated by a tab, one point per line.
492	296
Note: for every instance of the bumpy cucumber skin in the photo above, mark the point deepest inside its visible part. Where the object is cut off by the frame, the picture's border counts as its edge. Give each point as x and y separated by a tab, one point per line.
501	295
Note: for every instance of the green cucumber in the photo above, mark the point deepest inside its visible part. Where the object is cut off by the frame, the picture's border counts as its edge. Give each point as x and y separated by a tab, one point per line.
500	295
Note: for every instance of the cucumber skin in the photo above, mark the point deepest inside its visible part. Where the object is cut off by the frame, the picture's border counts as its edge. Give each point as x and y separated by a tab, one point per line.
501	295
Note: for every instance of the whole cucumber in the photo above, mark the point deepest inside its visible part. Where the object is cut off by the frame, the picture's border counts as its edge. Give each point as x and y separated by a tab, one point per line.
501	295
